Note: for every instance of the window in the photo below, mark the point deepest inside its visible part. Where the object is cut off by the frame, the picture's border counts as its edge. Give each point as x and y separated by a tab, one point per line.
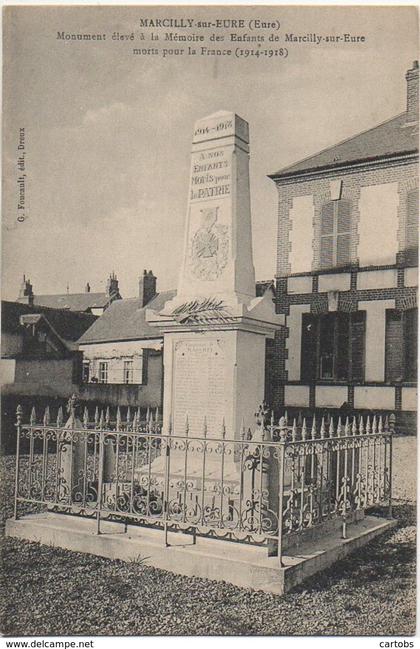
412	227
401	345
85	371
333	347
335	233
103	372
128	372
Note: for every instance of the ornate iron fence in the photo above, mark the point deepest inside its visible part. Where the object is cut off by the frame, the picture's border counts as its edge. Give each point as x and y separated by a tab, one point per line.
277	486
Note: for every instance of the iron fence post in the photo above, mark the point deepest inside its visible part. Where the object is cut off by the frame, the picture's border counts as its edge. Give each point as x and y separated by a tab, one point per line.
390	474
344	527
18	429
282	450
166	491
100	482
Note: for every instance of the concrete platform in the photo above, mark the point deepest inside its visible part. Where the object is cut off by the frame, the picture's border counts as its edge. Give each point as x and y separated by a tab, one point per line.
239	564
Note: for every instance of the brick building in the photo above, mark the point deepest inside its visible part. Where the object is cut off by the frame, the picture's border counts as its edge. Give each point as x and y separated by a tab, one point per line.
347	272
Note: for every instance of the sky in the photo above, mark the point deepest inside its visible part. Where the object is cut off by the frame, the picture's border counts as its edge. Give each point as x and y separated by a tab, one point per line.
108	134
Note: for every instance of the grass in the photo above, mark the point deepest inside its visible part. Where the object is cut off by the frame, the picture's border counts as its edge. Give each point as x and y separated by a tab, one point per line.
50	591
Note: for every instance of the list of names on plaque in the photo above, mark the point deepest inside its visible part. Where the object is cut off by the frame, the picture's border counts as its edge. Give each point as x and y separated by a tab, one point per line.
199	386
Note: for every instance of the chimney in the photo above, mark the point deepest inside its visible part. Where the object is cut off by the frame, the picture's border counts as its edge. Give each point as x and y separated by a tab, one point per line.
87	288
412	77
26	294
147	287
112	286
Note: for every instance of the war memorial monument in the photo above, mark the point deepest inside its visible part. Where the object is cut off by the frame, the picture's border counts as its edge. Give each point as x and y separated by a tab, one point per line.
219	488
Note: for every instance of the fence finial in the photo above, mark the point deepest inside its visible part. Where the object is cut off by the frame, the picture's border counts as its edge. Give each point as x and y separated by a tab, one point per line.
60	417
96	416
322	430
243	431
380	427
170	424
85	417
361	426
374	425
19	414
187	425
313	429
347	427
47	416
304	431
223	428
392	422
72	406
128	415
367	429
339	427
286	417
107	416
157	414
354	426
331	428
118	420
101	420
282	429
32	419
294	430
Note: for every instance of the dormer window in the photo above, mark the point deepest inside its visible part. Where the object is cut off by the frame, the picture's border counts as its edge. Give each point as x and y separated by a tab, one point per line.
335	233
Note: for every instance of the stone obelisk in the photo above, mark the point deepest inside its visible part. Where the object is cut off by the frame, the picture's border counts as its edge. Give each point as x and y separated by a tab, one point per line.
215	328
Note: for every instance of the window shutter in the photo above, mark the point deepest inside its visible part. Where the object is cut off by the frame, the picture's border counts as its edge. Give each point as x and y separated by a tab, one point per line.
358	329
412	226
342	346
327	219
335	233
343	217
327	235
343	232
308	349
393	346
343	249
410	344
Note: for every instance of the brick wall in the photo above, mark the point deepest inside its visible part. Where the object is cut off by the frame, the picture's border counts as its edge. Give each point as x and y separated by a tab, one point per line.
406	175
403	295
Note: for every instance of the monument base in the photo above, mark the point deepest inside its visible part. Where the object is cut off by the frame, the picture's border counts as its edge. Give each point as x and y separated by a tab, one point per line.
239	564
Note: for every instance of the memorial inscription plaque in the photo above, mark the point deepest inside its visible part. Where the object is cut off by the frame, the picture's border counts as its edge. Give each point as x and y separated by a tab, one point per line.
199	385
